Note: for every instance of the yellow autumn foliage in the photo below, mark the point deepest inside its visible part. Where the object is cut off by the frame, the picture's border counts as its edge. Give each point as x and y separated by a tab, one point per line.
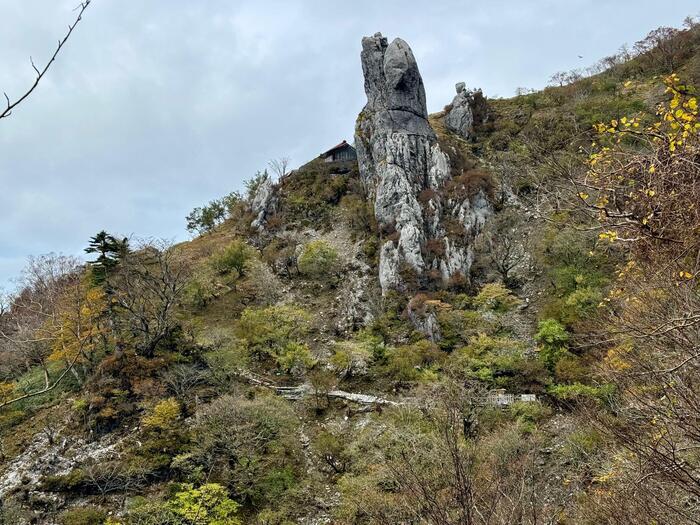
78	329
163	415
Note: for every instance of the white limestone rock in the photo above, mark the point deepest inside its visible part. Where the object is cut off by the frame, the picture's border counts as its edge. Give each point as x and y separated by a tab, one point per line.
405	171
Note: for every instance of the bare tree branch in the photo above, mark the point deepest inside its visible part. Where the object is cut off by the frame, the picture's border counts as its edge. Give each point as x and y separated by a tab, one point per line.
40	73
47	388
279	167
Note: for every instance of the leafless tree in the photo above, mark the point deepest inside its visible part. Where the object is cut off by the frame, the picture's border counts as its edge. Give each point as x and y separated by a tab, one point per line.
437	467
520	91
183	379
145	291
50	428
12	104
502	246
662	47
108	477
27	326
279	167
652	336
648	333
559	78
440	492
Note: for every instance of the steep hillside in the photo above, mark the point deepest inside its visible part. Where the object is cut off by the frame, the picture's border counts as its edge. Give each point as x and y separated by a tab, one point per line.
489	317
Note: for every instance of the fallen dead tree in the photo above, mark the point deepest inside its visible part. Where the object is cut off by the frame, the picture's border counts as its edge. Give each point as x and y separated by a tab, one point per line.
306	389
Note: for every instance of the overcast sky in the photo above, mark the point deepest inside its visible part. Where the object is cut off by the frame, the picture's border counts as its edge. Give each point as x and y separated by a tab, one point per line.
157	106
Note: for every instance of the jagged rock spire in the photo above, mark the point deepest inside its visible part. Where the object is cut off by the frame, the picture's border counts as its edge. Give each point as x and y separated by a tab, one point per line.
404	171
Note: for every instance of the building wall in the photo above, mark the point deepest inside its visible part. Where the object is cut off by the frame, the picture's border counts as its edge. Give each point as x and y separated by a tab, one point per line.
344	154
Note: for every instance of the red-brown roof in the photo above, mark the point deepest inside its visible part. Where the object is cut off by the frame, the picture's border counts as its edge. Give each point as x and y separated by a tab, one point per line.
342	145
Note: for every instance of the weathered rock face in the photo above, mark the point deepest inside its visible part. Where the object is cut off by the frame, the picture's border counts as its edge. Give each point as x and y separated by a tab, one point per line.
405	173
467	109
263	202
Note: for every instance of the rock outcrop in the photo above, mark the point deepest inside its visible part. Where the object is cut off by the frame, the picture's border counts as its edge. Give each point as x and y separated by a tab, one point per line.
406	174
467	109
263	202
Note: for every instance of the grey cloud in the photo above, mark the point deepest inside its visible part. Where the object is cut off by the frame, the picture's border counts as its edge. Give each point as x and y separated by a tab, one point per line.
158	106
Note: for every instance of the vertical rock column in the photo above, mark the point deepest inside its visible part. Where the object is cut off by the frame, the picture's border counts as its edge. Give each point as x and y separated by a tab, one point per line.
404	169
396	148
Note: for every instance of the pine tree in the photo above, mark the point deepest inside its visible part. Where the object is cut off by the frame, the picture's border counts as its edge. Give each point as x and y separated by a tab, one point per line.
110	250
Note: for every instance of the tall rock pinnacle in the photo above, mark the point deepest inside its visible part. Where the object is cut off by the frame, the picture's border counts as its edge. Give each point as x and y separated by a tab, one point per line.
405	173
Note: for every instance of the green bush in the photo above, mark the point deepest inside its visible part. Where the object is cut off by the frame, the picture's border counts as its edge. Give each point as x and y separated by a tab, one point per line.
83	516
457	327
70	482
318	259
198	293
208	504
275	333
358	213
205	505
529	414
553	338
581	303
413	362
332	448
233	258
580	392
226	360
253	184
496	297
276	482
599	109
162	435
583	443
252	444
352	357
163	416
205	219
295	357
578	271
497	361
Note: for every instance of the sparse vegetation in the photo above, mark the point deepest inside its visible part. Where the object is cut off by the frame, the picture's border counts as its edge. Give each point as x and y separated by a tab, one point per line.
318	259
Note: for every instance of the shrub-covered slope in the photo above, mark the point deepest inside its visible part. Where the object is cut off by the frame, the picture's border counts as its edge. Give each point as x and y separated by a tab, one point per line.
260	373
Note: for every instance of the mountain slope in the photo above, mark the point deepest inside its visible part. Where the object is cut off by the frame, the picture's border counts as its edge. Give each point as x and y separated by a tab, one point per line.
427	335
